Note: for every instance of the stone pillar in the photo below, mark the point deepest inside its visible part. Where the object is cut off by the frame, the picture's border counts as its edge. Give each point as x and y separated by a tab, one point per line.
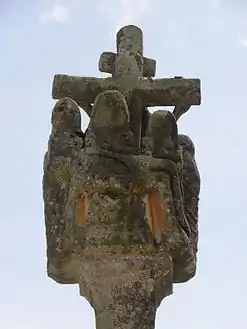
125	291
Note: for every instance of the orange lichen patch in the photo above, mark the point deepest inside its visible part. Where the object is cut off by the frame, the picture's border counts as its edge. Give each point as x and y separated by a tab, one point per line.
81	211
155	214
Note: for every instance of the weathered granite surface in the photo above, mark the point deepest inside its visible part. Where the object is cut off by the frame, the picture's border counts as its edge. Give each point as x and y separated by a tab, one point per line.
121	199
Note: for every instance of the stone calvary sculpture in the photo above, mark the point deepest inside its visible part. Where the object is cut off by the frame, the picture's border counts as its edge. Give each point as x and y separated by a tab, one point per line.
121	198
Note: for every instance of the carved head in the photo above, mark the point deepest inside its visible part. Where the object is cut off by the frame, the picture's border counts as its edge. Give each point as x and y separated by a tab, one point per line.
66	116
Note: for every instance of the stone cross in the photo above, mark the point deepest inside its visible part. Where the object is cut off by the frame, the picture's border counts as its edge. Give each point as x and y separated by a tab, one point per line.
122	226
132	76
129	40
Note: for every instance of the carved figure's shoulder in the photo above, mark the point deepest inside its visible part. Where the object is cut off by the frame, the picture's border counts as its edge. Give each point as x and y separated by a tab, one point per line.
187	144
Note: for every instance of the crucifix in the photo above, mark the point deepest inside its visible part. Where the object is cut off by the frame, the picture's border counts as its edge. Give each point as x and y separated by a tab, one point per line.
131	74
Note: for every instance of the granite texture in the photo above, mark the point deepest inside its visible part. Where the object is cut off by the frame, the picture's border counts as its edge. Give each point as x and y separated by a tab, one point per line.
121	199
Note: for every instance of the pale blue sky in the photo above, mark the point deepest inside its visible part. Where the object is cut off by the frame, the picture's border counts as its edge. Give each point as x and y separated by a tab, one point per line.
193	38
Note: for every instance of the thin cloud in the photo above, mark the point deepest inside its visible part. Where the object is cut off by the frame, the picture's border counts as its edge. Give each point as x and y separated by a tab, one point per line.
214	4
132	11
124	12
58	14
178	32
242	41
232	6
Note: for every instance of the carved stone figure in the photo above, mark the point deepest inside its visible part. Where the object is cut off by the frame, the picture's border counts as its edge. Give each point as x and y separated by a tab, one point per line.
121	199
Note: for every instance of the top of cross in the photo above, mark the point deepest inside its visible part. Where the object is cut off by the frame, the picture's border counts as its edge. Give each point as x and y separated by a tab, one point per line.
130	71
130	38
129	41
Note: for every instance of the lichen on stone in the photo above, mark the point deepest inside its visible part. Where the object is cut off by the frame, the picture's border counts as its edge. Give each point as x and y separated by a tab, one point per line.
121	199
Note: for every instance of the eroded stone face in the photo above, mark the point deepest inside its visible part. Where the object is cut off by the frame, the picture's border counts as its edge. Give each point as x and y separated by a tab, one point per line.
121	199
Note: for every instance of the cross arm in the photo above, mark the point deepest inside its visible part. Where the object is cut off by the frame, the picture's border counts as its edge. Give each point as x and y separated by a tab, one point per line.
82	90
169	92
107	61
